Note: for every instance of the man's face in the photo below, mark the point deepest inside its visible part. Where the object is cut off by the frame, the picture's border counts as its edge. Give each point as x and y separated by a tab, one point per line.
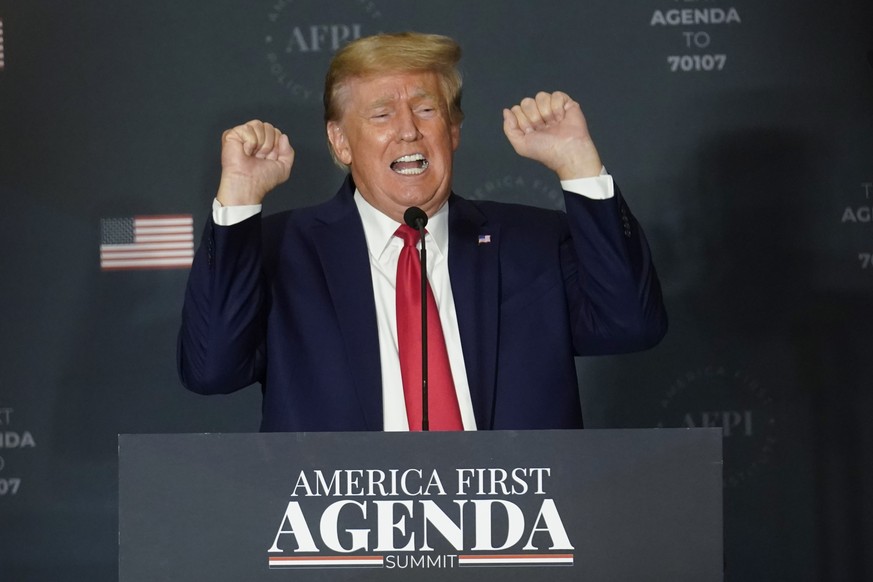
396	136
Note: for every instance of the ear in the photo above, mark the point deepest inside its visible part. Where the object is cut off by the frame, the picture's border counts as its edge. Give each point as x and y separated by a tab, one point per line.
339	143
456	135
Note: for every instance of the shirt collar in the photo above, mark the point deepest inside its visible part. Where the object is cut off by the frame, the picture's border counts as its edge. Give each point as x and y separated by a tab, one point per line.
379	229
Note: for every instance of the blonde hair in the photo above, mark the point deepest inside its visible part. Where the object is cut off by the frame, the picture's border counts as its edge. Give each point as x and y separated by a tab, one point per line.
392	53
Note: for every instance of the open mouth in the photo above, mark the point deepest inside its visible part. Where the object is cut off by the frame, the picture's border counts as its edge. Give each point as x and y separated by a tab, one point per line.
410	165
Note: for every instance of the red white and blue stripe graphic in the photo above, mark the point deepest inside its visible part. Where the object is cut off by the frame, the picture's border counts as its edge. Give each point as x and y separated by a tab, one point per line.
326	561
515	560
2	50
374	561
147	242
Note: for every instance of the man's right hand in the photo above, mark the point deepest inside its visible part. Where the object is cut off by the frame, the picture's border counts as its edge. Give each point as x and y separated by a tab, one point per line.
255	158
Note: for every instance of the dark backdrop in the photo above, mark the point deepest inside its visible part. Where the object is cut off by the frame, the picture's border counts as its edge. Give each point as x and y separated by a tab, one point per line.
740	132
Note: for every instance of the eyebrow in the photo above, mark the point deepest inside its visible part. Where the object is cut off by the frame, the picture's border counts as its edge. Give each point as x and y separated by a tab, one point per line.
417	96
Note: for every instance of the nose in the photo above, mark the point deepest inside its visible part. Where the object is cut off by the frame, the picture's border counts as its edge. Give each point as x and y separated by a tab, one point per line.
407	126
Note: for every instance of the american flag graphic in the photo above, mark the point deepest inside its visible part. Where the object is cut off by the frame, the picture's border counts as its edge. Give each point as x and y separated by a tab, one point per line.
147	242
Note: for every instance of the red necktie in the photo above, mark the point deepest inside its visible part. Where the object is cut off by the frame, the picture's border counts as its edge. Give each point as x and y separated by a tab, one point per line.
443	410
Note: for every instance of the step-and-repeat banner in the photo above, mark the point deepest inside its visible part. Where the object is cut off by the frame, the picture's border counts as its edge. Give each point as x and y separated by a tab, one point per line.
740	132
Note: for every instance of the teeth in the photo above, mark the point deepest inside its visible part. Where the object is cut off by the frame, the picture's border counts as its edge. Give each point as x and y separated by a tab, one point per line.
412	171
410	158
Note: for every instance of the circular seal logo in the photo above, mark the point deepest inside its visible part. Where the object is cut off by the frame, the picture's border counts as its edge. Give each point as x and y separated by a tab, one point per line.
731	399
302	36
521	190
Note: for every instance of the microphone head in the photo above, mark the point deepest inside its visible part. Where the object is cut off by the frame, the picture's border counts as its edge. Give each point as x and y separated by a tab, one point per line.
415	217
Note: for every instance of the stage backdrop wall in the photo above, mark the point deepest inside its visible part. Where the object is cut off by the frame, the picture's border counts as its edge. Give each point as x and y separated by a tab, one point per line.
739	131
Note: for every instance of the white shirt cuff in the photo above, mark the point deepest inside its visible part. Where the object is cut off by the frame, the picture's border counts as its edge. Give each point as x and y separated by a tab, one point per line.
597	187
230	215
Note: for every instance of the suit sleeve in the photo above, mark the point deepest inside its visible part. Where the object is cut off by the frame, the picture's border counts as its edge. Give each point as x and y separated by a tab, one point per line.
221	341
613	290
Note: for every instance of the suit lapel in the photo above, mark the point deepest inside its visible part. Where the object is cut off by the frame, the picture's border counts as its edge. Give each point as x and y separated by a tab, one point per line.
342	249
473	266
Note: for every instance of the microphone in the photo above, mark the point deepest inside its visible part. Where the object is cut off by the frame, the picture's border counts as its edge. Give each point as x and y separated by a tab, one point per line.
417	219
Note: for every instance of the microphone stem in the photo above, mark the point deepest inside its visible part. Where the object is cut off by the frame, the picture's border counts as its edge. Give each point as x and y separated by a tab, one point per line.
425	423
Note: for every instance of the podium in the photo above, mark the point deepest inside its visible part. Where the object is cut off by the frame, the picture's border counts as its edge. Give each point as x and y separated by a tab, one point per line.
589	505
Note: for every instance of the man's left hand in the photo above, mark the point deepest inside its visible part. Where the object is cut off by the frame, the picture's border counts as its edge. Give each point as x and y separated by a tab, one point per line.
551	129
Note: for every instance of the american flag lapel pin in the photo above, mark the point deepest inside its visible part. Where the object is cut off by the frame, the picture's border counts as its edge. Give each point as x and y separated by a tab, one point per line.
484	239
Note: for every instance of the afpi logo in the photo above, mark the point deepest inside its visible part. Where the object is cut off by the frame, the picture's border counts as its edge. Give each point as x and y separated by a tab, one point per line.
719	396
521	190
301	38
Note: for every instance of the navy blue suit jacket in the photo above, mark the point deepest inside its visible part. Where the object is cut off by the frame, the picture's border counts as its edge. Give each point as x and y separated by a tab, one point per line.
287	301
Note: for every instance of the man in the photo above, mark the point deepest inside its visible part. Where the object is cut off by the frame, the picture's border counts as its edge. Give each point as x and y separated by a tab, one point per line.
304	302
